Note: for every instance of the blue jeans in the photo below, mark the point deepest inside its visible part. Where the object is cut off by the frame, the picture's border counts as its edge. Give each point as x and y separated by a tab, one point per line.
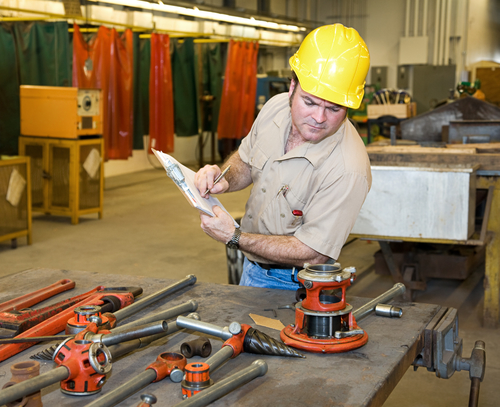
255	276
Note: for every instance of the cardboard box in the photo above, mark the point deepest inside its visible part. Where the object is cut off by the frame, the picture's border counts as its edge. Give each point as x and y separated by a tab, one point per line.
60	112
401	111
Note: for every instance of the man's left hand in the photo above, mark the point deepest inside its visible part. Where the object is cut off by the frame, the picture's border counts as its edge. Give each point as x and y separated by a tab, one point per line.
219	227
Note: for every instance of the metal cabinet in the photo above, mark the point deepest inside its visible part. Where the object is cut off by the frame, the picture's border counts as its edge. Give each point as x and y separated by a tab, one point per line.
15	204
67	175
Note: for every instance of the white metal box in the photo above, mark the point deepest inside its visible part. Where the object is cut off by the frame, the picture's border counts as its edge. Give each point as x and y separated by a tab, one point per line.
427	202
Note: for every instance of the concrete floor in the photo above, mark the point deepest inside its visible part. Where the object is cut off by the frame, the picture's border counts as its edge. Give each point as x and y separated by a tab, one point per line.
149	229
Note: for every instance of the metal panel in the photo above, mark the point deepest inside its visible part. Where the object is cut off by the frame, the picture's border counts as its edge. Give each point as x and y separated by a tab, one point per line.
432	84
470	131
379	76
433	202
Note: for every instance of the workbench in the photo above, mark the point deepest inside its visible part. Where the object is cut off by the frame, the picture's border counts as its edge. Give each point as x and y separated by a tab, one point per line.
484	157
362	377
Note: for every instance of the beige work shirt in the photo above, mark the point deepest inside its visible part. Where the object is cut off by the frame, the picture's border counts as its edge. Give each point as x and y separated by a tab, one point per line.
314	192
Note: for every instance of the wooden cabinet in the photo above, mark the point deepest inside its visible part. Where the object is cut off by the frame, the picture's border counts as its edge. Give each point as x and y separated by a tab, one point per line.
15	207
67	176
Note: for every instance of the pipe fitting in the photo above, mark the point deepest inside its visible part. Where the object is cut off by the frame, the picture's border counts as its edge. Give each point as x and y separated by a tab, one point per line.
20	372
198	347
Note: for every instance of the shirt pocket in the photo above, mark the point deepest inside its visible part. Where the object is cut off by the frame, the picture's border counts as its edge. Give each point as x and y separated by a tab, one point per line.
257	163
283	216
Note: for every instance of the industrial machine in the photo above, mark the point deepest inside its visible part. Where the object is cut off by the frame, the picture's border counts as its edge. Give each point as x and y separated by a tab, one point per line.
60	112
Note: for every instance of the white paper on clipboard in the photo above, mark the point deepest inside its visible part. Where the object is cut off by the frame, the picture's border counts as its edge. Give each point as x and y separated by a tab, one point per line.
186	186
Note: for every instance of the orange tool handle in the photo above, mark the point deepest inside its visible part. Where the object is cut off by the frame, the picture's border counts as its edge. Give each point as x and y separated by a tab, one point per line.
37	296
58	322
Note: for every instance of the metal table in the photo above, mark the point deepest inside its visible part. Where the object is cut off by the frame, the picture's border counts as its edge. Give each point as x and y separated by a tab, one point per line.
363	377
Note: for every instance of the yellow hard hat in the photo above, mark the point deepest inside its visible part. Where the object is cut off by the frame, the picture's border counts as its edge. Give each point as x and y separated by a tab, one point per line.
332	63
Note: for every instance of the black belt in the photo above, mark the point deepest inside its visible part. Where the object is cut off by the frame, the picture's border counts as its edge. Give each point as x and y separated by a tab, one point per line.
266	266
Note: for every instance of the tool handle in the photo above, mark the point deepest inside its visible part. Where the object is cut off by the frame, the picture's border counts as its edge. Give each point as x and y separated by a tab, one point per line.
37	296
397	289
205	397
19	390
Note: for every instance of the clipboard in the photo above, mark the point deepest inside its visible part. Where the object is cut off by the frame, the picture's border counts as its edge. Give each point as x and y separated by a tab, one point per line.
183	178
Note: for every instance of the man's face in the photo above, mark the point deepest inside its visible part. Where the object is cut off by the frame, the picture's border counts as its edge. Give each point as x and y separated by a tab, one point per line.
313	118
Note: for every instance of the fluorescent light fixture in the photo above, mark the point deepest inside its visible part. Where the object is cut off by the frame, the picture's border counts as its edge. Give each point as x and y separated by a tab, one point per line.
208	15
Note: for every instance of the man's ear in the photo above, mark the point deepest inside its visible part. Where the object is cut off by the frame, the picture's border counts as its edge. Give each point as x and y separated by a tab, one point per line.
292	87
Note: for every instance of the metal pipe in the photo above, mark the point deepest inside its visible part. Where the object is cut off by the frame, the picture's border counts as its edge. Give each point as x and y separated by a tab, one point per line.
441	32
19	390
257	368
122	392
204	327
424	20
173	312
447	34
474	391
436	34
218	358
415	21
386	310
407	19
144	302
137	332
123	348
397	289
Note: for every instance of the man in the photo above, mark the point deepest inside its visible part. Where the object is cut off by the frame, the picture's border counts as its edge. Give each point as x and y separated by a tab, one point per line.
308	165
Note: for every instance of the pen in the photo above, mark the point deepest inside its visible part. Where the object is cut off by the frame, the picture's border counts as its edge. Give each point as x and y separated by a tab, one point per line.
218	178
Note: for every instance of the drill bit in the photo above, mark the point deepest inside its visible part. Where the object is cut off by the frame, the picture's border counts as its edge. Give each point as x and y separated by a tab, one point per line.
260	343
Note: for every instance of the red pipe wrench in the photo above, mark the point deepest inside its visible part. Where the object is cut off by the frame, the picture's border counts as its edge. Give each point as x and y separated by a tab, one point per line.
109	299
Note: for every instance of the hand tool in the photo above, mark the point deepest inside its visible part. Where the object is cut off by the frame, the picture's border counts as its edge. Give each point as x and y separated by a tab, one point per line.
397	289
109	299
147	400
241	337
324	322
256	369
187	306
14	321
84	362
238	338
199	347
37	296
167	364
221	175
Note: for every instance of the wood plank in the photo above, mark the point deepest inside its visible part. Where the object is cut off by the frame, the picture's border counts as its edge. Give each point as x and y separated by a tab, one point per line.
481	148
421	150
487	162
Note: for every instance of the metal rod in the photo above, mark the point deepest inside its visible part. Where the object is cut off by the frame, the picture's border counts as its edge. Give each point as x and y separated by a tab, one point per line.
125	390
123	348
144	302
173	312
204	327
474	391
257	368
397	289
218	358
135	333
35	339
19	390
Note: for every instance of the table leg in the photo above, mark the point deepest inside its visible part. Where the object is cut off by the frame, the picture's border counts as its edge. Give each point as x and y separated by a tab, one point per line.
491	311
492	265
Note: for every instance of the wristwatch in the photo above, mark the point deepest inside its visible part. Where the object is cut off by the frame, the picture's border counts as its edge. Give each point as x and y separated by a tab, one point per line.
234	242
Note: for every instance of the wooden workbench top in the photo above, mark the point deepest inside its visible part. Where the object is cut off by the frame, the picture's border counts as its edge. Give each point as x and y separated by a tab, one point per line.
363	377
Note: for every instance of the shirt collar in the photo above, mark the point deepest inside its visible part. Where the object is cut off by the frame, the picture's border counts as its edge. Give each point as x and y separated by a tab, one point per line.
315	153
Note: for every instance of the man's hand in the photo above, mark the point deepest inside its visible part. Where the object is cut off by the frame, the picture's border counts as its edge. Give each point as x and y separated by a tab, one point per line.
219	227
205	177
